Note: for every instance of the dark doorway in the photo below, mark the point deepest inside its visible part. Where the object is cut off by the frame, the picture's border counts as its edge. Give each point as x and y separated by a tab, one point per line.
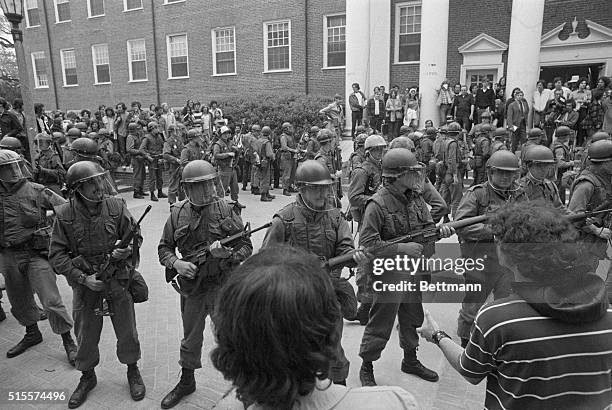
589	71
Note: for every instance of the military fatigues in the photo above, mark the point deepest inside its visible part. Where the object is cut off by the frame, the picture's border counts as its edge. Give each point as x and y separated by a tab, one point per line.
247	144
326	234
312	148
541	191
476	241
225	166
188	228
261	173
427	155
562	156
450	190
76	233
527	145
482	149
173	147
287	161
390	213
23	257
49	171
105	150
356	158
154	146
137	155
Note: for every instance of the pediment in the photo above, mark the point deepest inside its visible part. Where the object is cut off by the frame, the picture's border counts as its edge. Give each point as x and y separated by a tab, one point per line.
483	43
576	33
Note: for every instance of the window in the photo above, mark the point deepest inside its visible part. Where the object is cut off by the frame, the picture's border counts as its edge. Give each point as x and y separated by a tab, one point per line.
69	70
95	8
132	5
479	77
137	60
224	51
99	54
62	11
277	46
408	32
39	66
31	13
178	56
335	41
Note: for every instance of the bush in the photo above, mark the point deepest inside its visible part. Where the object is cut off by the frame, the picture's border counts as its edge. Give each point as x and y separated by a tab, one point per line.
273	110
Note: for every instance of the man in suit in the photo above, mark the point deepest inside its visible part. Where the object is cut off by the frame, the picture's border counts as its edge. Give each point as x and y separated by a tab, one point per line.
517	119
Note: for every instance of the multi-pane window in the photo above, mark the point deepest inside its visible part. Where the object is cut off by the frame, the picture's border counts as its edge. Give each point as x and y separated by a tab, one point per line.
101	63
409	29
137	60
277	46
39	66
31	13
178	59
62	11
335	37
95	8
224	51
132	5
69	67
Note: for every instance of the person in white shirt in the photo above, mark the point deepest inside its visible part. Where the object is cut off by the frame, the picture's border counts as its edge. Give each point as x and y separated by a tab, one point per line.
376	110
540	97
558	81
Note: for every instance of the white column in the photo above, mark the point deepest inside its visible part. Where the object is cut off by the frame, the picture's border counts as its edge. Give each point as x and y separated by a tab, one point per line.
357	46
434	45
524	46
380	45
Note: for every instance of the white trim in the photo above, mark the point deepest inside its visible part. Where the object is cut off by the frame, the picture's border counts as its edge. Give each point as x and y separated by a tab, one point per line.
64	66
265	46
407	63
93	60
173	2
481	67
333	68
97	15
213	36
169	57
497	45
398	6
25	9
57	15
325	40
36	84
130	61
125	9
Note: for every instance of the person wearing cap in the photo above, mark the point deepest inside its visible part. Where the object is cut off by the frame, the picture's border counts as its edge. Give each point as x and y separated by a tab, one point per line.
48	168
335	114
591	190
288	150
451	170
264	155
139	158
153	145
518	112
476	241
482	152
224	157
173	147
563	155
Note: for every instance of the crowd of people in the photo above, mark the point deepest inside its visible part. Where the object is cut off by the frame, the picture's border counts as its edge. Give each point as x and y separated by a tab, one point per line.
544	342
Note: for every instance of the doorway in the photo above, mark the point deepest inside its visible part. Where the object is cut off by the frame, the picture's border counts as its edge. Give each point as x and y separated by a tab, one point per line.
591	72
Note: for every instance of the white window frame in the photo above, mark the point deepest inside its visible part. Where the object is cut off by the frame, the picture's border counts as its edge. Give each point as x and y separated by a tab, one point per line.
126	9
130	61
93	60
325	41
166	2
169	58
57	14
265	45
25	9
36	81
398	6
64	67
97	15
213	35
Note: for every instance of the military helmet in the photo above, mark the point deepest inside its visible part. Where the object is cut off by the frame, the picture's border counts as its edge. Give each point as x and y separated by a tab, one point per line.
485	114
81	126
417	136
198	171
93	136
503	160
133	126
325	135
152	125
405	129
58	136
397	161
82	171
8	156
361	139
84	146
501	132
563	131
266	130
255	127
486	128
444	129
74	133
478	129
374	141
360	129
534	133
42	137
192	133
401	142
103	132
600	151
316	129
286	125
10	143
312	172
12	169
539	153
430	131
600	136
454	128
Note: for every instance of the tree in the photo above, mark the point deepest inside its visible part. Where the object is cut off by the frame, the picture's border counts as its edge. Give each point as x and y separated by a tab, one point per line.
9	72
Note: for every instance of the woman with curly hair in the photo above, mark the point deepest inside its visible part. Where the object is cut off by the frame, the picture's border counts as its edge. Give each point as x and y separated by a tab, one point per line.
275	326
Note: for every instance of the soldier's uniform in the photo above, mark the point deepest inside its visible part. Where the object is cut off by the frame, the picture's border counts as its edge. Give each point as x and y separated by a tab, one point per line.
562	154
225	164
261	169
288	150
153	145
427	153
482	149
541	190
49	170
312	147
357	157
137	156
173	147
191	152
452	157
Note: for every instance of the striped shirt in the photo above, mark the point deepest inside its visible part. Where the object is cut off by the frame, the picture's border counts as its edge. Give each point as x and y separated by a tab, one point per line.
537	362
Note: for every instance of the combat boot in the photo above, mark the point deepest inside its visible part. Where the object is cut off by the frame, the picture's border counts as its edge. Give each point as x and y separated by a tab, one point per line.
411	365
31	338
160	194
153	197
265	197
137	387
366	374
185	387
86	384
255	191
138	195
70	348
270	196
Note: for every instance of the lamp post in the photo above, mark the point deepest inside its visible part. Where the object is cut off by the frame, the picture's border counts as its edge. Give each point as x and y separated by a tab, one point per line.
13	10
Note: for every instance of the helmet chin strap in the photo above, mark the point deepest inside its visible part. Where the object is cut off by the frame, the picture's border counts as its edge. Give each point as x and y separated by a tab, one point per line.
302	201
534	177
502	191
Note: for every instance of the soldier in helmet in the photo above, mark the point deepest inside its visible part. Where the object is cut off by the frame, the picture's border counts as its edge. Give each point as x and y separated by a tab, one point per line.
314	223
71	135
540	170
24	242
500	135
405	131
106	148
249	155
48	168
563	156
482	152
313	144
476	241
403	141
173	147
153	145
13	144
592	189
138	156
327	152
598	136
87	229
264	155
451	173
397	209
224	155
428	153
84	149
82	127
534	138
288	150
203	218
358	155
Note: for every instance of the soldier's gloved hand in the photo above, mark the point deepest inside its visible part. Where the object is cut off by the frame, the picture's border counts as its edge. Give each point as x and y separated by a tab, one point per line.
411	249
185	269
94	284
446	231
121	253
219	251
605	233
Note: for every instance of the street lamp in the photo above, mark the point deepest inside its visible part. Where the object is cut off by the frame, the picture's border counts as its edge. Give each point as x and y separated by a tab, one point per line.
13	10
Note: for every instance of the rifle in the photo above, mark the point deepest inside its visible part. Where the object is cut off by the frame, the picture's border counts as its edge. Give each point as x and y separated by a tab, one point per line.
199	256
106	273
338	167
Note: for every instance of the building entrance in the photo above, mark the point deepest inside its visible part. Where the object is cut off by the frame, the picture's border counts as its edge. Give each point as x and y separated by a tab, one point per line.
591	72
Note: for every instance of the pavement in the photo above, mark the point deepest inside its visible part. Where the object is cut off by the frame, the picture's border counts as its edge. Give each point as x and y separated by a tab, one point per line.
44	367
